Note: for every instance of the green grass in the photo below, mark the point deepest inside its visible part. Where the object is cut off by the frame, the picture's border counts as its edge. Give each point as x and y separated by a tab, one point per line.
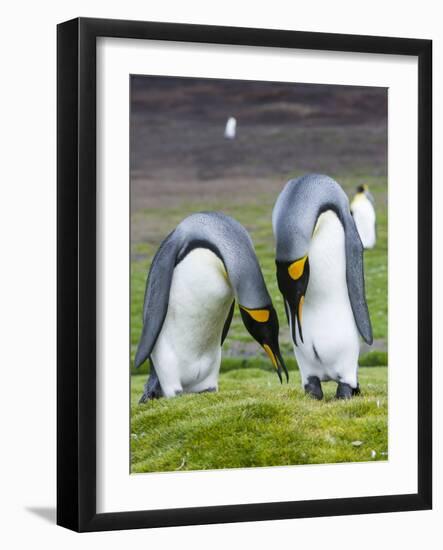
254	421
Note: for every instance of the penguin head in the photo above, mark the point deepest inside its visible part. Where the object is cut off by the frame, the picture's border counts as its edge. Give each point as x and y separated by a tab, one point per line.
362	188
262	325
293	278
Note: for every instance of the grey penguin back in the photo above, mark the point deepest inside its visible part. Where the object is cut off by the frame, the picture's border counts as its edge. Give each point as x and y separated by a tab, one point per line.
294	217
297	209
232	243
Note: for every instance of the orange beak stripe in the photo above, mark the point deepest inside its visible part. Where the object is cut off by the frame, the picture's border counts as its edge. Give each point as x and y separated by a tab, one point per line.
300	308
269	351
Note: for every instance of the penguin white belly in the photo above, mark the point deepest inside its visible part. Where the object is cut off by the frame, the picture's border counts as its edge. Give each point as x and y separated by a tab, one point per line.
364	217
187	353
331	343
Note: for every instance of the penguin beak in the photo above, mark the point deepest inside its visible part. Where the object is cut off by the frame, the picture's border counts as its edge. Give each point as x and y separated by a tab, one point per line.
277	361
293	282
262	324
294	313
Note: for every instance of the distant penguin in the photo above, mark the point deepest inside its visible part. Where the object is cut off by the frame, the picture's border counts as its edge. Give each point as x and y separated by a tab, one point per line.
363	210
230	128
319	259
199	271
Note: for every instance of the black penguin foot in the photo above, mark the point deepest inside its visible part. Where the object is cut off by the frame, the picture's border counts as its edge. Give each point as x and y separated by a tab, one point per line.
313	388
152	390
148	395
345	391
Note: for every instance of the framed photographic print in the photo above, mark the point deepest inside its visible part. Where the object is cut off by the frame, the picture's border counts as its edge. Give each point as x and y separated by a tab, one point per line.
244	274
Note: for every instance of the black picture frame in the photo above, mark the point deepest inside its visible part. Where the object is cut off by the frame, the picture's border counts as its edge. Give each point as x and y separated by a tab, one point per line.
76	280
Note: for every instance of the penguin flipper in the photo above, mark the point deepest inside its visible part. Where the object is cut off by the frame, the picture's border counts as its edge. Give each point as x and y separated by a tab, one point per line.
356	281
228	323
156	301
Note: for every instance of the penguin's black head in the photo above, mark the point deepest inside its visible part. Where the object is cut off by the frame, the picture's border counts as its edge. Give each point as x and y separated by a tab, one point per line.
362	188
262	324
293	278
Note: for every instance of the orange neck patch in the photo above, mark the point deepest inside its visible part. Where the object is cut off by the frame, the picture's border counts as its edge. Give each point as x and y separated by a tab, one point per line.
260	315
296	269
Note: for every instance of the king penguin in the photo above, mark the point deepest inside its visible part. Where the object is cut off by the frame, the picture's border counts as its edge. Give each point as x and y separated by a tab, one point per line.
231	128
363	211
198	272
319	260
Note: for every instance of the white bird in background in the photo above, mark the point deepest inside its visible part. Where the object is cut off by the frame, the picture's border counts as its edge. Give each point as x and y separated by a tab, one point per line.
230	128
362	209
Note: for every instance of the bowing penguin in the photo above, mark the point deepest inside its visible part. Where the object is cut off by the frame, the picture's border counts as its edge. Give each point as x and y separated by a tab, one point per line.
362	209
199	271
319	259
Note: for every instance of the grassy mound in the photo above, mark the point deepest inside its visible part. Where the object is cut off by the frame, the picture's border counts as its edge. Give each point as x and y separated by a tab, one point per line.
254	421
